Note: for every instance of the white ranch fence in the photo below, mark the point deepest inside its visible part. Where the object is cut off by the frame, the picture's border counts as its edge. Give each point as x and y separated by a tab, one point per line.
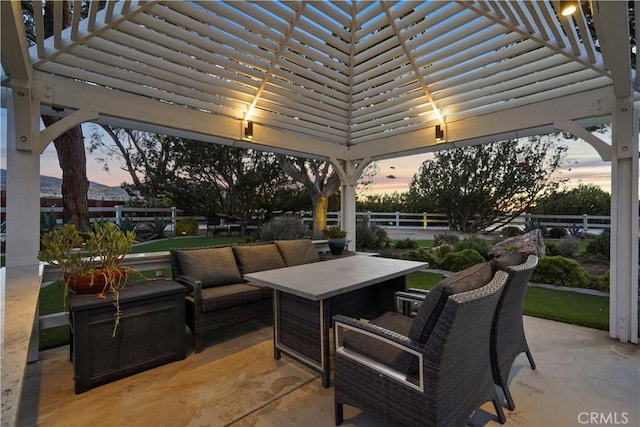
396	220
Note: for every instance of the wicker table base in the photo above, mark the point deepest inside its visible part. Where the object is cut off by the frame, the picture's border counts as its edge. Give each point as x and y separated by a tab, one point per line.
307	297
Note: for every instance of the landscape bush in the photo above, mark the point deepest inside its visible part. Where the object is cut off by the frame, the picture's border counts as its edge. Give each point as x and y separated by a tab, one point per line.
551	247
420	254
370	235
439	239
406	244
186	227
568	246
283	228
600	282
474	242
442	250
600	245
557	233
560	271
457	261
510	231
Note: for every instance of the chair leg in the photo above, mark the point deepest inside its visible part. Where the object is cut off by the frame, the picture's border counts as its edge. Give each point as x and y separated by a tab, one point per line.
501	417
339	415
507	394
531	362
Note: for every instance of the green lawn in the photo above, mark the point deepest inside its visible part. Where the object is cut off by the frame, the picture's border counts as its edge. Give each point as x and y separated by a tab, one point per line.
564	306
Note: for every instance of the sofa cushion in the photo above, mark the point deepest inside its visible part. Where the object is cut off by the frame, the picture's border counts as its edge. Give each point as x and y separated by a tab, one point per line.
468	279
296	252
212	266
267	292
219	297
380	351
252	258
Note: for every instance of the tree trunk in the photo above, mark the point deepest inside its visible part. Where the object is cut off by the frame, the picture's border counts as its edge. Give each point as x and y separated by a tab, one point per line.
75	185
70	148
320	216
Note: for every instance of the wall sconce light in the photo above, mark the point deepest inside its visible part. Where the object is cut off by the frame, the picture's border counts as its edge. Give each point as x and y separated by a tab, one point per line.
247	129
568	8
439	133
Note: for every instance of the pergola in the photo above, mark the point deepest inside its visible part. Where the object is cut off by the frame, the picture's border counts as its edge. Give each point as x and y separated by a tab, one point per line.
347	81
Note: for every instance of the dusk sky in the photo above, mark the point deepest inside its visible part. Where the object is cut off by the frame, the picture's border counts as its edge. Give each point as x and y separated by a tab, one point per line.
584	166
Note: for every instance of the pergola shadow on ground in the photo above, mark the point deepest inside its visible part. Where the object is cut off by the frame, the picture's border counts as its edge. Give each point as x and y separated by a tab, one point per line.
236	382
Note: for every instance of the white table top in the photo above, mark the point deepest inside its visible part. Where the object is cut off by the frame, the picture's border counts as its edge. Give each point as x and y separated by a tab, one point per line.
322	280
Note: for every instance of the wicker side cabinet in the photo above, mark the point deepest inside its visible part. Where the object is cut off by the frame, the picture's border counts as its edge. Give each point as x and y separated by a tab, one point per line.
151	332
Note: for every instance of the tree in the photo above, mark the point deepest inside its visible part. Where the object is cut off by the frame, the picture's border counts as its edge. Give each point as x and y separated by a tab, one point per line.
320	181
584	199
480	185
219	179
393	202
69	145
197	177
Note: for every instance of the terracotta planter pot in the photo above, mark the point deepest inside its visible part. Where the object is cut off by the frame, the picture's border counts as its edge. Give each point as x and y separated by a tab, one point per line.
93	283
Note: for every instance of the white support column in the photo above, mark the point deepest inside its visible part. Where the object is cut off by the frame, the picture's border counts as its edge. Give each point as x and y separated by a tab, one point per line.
623	312
348	202
23	177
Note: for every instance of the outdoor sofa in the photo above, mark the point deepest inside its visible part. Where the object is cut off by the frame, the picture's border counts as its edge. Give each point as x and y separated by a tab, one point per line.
217	294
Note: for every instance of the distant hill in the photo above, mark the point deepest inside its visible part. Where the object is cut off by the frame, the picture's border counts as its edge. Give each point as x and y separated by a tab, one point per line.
52	187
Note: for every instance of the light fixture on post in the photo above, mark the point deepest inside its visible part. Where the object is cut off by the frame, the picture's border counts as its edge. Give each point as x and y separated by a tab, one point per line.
247	129
439	133
568	8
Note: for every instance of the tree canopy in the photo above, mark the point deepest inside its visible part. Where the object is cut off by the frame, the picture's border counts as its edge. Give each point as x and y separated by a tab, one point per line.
584	199
199	177
480	185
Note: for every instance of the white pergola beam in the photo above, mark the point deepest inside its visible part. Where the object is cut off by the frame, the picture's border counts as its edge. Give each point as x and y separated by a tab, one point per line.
60	92
543	114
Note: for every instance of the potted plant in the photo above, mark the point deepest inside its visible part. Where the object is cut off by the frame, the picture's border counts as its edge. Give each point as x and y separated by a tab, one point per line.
90	262
336	239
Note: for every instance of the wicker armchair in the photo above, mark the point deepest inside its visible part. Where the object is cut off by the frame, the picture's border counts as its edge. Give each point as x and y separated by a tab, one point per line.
507	333
437	382
508	339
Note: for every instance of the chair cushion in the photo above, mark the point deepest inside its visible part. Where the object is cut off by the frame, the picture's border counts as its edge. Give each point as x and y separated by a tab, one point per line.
377	350
252	258
220	297
508	259
468	279
296	252
212	266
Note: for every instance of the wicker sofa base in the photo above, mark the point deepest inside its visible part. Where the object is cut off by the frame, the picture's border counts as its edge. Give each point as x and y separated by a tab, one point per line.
202	327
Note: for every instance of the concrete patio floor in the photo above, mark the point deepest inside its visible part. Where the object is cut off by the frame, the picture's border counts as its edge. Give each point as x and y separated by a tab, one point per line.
583	378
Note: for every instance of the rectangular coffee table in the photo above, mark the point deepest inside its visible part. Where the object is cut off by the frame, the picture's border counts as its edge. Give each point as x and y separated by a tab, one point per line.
306	297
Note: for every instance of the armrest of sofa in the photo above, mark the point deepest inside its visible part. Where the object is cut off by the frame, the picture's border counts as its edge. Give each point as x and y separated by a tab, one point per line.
192	284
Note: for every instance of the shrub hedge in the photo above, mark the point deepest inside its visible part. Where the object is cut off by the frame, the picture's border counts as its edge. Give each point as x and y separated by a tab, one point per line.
457	261
560	271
